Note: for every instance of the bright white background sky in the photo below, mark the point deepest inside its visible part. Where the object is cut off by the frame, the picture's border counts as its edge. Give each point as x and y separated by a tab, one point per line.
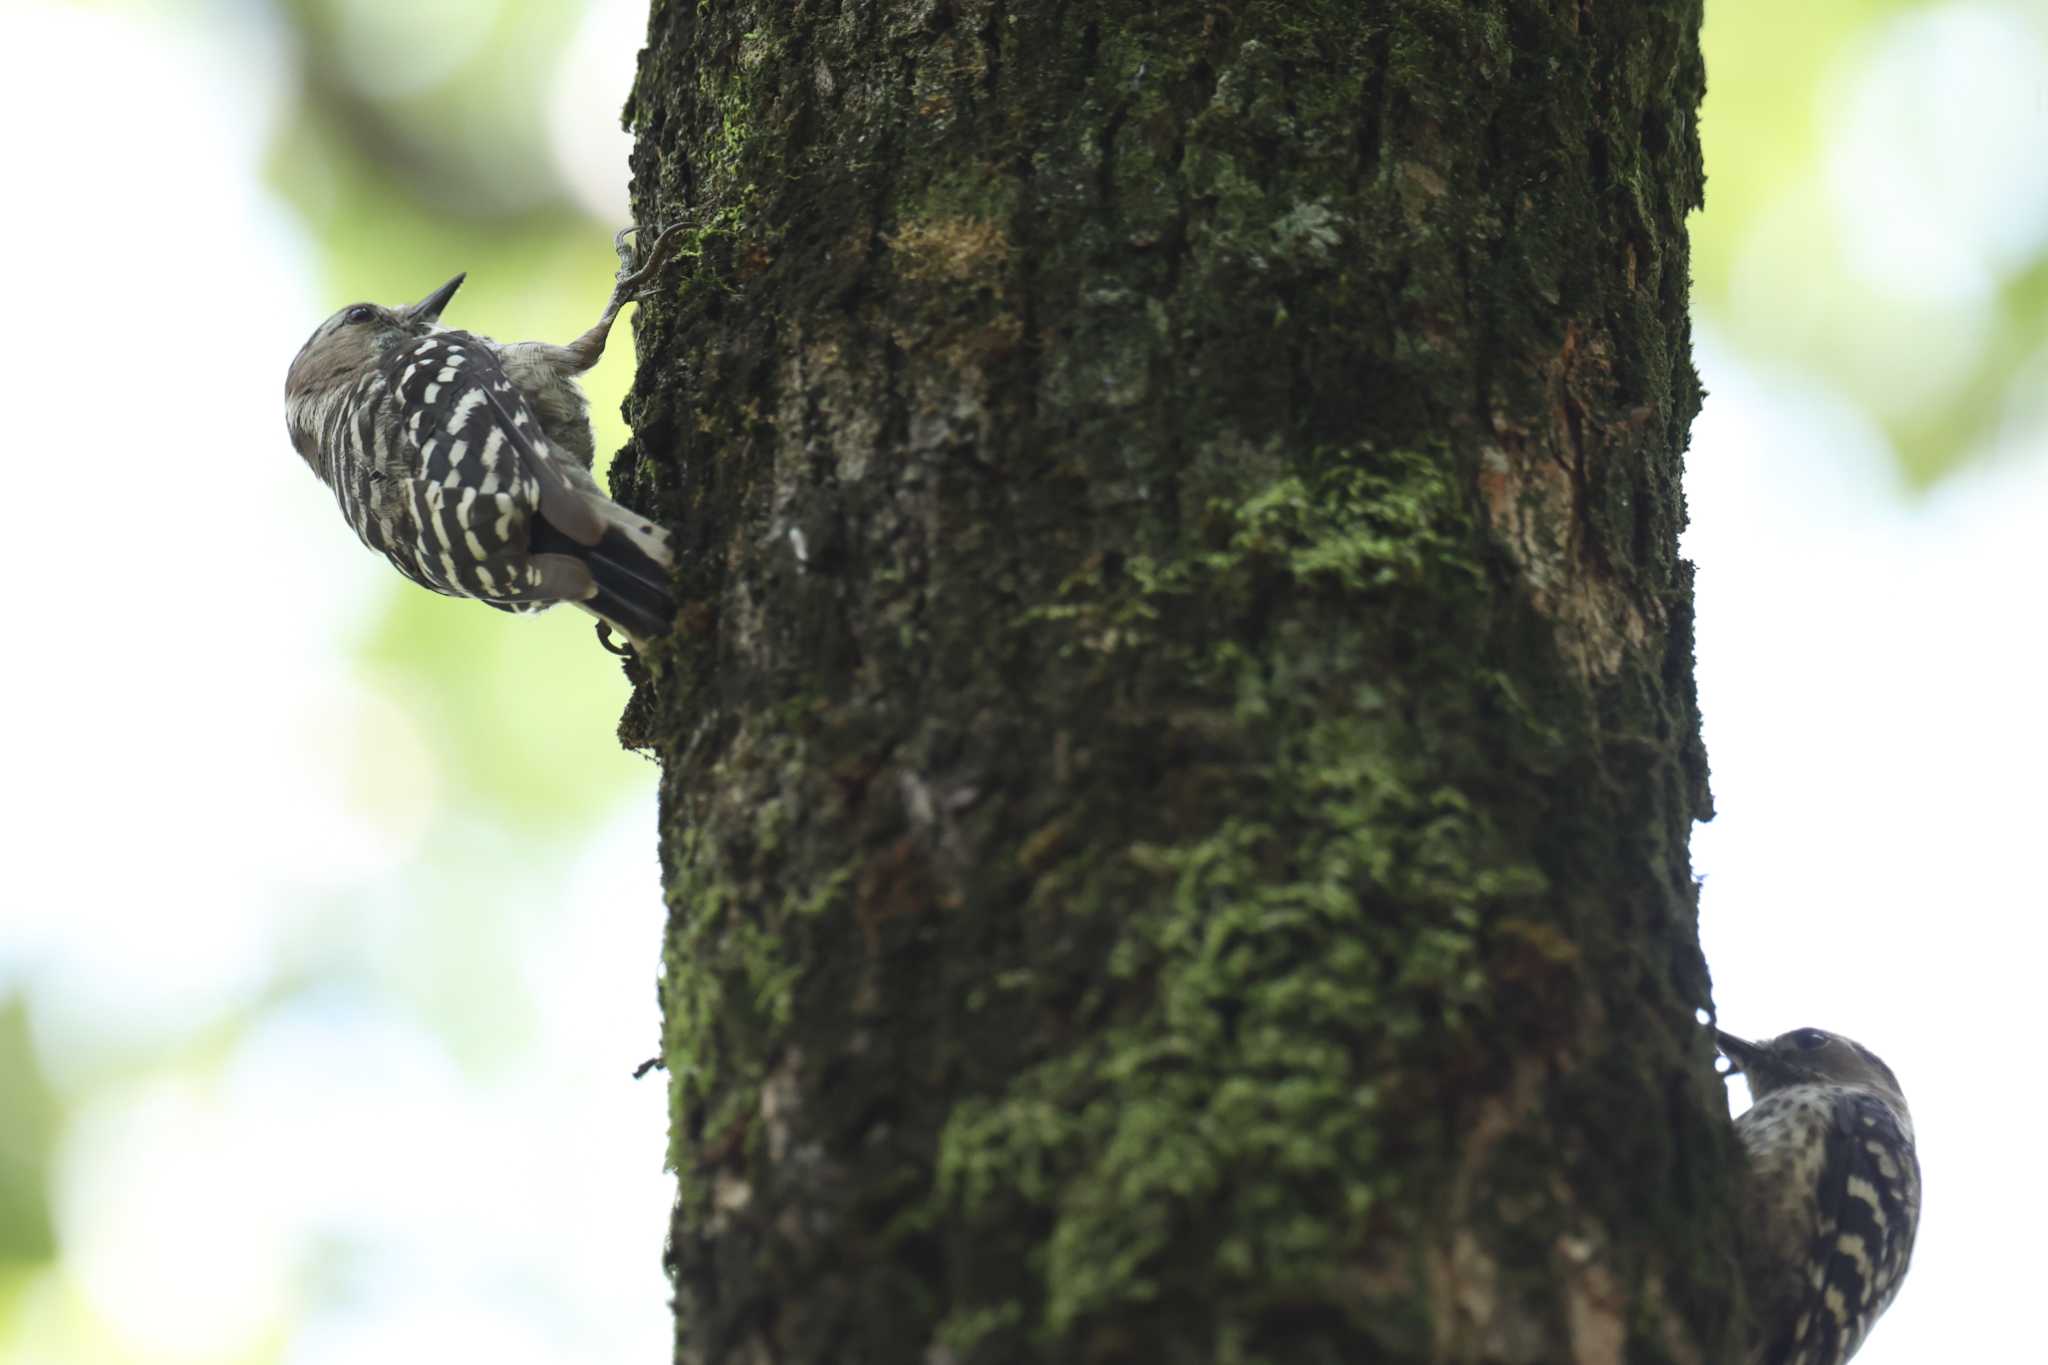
343	1183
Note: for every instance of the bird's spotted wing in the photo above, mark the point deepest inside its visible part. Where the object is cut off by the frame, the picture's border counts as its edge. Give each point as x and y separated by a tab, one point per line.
483	473
1868	1196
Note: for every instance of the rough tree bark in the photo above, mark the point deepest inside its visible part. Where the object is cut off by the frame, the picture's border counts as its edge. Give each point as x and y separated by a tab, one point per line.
1179	754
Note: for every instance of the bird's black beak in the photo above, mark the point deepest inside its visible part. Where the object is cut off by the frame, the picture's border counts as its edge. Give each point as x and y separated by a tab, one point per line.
1741	1055
427	311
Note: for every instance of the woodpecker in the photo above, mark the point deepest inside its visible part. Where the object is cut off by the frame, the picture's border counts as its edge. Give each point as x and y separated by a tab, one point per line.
1834	1193
466	462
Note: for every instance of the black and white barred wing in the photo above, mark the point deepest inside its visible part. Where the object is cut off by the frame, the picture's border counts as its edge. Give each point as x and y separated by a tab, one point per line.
503	515
1868	1197
483	479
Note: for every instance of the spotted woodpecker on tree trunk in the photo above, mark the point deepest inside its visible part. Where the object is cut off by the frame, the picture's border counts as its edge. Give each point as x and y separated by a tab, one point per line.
467	462
1834	1193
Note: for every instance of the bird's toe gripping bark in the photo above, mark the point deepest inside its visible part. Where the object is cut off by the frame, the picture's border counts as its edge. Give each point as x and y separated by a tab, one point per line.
637	269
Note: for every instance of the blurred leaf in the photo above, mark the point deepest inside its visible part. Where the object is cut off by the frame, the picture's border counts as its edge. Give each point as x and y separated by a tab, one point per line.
1760	127
447	100
28	1120
1783	252
2004	385
522	710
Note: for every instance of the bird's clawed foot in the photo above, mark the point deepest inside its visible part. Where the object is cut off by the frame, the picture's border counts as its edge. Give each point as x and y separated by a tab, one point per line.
636	268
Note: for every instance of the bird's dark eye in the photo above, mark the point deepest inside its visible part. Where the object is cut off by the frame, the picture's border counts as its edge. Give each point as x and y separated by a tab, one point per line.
362	312
1807	1039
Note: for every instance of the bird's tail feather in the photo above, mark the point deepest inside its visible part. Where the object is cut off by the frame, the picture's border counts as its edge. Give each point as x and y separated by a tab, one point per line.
630	564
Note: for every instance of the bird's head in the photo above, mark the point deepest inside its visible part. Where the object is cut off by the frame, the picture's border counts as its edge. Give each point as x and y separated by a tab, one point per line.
357	337
1808	1056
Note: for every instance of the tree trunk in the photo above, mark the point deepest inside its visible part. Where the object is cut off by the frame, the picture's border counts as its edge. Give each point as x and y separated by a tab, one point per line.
1179	749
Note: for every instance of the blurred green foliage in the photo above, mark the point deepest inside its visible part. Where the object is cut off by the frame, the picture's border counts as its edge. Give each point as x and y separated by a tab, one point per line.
28	1124
442	106
1799	258
1763	125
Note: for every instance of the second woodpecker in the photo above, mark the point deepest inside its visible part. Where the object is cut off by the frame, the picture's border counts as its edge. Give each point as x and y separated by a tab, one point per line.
1834	1193
467	462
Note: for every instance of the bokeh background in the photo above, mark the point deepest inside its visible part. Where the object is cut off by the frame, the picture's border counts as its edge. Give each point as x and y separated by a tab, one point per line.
328	939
